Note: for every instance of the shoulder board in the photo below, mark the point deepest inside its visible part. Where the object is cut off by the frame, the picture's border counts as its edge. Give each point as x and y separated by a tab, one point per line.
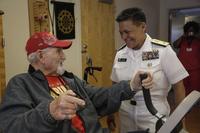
123	46
159	42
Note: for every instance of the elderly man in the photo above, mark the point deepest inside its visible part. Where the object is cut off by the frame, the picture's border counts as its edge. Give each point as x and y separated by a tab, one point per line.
49	99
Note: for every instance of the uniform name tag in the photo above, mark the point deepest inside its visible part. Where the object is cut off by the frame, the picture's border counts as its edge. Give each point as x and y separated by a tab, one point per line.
122	59
188	49
150	55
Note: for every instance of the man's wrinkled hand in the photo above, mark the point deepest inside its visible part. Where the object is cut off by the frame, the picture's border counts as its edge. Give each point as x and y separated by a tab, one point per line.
65	106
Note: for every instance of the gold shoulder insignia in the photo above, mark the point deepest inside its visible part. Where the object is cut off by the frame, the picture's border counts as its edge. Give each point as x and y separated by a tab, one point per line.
123	46
159	42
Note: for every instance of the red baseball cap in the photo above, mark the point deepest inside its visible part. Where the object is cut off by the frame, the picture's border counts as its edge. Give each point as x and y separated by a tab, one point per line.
42	40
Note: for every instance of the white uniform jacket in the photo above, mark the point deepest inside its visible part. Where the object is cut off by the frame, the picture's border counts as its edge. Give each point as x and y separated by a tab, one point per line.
166	69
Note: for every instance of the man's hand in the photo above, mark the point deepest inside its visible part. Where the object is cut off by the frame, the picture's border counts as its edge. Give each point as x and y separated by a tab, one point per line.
65	106
137	84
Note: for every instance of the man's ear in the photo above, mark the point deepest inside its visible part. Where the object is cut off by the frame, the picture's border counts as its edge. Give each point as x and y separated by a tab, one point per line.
40	55
144	26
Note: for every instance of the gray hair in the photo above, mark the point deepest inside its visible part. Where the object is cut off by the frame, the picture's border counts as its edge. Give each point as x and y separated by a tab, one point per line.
33	57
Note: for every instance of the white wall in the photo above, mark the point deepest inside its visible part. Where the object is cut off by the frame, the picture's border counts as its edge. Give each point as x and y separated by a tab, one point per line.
151	9
73	61
156	12
16	32
165	6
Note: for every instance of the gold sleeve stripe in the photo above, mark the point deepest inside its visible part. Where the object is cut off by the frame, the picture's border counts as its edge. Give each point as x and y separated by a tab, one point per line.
159	42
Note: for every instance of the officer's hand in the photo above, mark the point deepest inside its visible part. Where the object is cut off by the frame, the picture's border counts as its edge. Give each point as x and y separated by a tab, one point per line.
148	82
65	106
111	122
137	84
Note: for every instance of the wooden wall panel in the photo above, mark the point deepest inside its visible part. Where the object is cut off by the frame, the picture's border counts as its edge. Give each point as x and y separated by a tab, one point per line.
97	23
98	34
2	62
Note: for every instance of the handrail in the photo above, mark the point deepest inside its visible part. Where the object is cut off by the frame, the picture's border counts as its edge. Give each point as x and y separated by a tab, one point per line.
150	106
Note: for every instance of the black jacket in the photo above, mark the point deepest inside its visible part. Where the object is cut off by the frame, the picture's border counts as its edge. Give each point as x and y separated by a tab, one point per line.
24	108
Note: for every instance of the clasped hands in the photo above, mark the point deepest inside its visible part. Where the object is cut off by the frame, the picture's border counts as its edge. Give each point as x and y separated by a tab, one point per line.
136	83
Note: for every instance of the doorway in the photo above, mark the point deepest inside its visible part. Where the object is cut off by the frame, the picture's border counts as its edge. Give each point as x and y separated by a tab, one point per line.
97	38
177	19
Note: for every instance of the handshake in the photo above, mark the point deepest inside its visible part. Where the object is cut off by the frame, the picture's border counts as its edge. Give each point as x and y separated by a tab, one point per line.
137	83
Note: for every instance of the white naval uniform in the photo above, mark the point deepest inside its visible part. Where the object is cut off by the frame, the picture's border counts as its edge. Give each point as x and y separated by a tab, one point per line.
166	70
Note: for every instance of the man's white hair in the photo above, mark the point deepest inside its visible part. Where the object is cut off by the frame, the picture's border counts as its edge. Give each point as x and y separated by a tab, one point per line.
33	57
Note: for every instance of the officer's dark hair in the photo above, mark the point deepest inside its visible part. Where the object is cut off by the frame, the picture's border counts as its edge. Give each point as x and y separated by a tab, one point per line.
192	24
135	14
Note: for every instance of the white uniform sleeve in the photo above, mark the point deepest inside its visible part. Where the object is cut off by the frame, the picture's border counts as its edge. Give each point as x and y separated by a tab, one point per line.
172	66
